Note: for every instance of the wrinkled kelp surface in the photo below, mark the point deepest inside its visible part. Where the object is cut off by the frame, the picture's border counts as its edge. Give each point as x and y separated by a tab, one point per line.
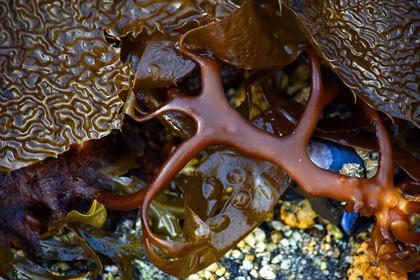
372	45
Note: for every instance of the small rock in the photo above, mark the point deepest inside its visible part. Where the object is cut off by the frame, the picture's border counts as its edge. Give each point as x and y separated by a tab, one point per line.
334	231
288	233
249	257
220	270
250	240
207	274
277	225
285	243
268	272
275	236
259	235
63	266
296	236
286	264
271	247
193	277
236	254
254	273
260	247
319	227
247	265
241	244
324	265
277	259
349	259
212	267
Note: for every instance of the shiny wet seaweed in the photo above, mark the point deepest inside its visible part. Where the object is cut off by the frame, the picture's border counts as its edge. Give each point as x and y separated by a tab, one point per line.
78	99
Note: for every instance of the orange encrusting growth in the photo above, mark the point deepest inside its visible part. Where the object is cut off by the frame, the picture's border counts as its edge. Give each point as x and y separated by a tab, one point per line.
364	267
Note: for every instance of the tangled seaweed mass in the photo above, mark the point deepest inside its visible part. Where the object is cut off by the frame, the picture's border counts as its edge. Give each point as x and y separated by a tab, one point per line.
71	71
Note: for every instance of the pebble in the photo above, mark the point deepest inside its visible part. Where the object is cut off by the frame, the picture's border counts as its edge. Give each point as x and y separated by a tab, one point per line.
260	235
254	273
268	272
288	233
277	259
249	257
236	254
277	225
349	259
220	271
271	247
285	242
212	267
63	266
334	231
247	264
296	236
241	244
207	274
193	277
260	247
275	236
250	240
285	264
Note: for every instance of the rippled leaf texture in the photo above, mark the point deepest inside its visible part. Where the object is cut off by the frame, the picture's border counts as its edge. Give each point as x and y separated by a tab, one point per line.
245	40
372	45
59	80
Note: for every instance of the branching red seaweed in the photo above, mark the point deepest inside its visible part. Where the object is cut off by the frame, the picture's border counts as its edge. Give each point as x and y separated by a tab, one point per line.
217	123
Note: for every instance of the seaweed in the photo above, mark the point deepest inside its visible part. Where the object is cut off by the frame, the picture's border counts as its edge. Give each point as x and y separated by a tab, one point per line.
67	69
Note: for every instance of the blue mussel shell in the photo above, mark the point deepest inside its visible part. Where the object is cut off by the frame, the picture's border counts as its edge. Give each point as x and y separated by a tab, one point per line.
331	156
